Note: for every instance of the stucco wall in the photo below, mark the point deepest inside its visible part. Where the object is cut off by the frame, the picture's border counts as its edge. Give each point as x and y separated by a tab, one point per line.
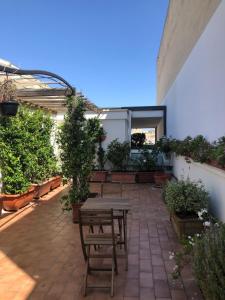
211	177
196	104
196	100
186	20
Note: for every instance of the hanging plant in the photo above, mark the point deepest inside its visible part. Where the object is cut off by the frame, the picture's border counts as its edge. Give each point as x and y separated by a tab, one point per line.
8	103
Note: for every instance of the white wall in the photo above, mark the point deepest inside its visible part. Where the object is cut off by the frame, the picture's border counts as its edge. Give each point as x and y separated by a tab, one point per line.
115	122
212	178
196	100
196	104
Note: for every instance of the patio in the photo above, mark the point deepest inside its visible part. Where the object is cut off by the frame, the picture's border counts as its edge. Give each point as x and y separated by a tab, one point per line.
41	256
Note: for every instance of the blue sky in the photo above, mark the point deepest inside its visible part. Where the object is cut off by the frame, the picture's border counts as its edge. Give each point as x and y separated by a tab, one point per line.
105	48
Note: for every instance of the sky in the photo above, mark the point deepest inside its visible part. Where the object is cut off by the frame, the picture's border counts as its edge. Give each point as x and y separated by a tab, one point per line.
105	48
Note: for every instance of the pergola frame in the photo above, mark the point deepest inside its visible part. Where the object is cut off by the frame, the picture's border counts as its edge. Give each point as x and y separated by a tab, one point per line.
42	89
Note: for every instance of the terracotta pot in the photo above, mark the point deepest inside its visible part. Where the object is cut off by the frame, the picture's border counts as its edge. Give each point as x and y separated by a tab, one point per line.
98	176
186	225
75	209
215	164
145	177
161	178
123	177
47	186
56	182
15	202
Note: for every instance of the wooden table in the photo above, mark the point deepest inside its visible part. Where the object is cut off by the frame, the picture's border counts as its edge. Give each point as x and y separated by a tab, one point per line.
117	204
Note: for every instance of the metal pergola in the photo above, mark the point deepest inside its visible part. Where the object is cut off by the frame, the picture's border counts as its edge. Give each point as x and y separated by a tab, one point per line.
42	89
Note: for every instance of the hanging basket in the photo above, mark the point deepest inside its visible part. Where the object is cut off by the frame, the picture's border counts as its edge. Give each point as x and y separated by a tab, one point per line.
9	108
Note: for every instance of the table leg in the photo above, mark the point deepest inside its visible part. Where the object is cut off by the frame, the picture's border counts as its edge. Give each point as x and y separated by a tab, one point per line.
125	237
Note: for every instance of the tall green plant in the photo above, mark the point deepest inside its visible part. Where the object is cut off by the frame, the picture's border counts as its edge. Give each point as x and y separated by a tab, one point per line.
118	154
26	153
77	139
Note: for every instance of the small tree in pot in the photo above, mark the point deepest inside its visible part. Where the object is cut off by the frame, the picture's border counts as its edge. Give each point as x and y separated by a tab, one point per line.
77	139
118	154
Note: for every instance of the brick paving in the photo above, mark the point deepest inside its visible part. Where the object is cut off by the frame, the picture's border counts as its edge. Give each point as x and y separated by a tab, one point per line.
41	258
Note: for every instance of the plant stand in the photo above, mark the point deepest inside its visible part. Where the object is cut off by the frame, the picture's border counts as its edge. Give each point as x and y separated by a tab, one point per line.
186	226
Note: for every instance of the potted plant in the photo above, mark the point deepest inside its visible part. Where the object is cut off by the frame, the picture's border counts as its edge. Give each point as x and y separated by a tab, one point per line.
118	154
8	103
77	139
138	140
39	160
146	166
209	262
218	153
99	174
16	189
162	147
185	200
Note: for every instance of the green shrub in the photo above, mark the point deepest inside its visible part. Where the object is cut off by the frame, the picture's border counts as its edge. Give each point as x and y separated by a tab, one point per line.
218	152
118	154
163	145
77	139
146	161
138	140
209	263
200	149
185	197
26	153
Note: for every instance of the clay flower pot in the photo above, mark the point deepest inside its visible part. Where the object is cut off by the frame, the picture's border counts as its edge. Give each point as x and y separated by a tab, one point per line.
123	177
75	211
161	178
47	186
15	202
56	182
145	177
98	176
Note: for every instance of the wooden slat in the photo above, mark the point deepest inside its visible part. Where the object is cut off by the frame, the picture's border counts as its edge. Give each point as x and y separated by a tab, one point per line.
41	92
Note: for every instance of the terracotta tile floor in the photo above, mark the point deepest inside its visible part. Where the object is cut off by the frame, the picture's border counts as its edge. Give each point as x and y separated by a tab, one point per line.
41	258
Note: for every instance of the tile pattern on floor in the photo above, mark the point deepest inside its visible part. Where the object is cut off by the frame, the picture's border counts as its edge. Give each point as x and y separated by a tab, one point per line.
41	258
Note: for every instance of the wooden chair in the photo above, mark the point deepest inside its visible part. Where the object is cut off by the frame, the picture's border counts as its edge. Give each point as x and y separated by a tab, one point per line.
89	219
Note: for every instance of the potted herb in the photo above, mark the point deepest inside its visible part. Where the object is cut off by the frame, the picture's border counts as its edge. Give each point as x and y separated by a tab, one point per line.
77	138
118	155
8	103
185	199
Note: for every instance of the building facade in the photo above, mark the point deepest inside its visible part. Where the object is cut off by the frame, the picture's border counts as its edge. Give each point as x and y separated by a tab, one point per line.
191	83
